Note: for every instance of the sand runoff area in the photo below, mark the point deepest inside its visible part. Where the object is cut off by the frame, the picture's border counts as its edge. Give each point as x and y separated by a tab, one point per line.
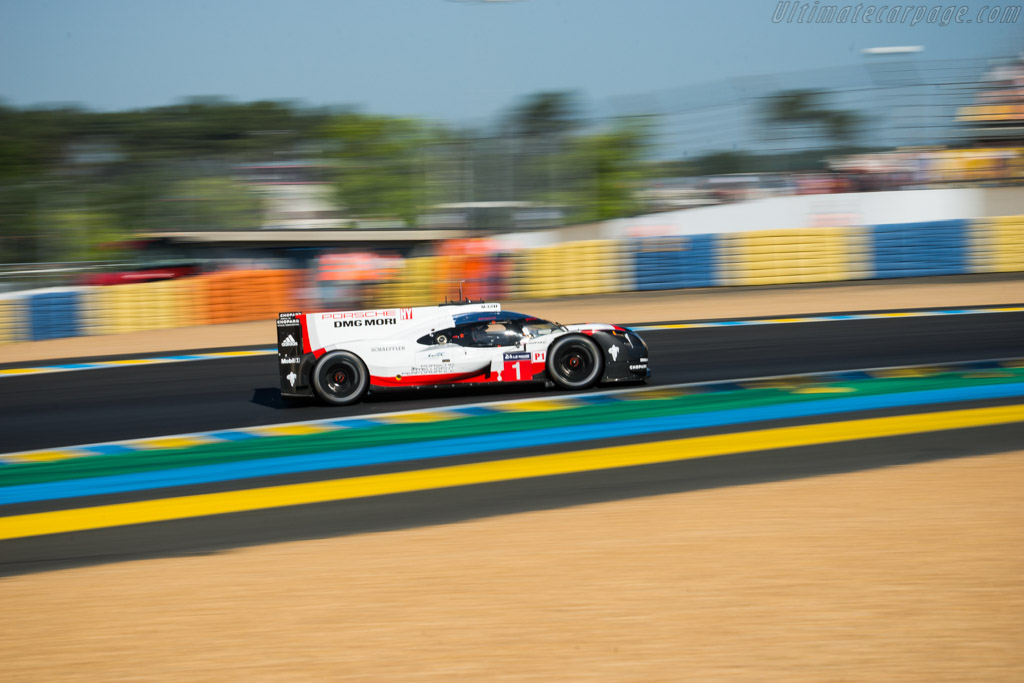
911	573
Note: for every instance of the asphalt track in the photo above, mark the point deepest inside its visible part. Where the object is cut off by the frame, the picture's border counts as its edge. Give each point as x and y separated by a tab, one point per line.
81	407
64	409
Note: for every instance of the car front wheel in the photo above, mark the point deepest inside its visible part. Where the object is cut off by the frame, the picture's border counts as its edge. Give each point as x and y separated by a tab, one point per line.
575	362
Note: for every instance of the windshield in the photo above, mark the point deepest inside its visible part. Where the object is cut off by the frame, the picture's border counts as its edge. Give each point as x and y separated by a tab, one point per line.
538	328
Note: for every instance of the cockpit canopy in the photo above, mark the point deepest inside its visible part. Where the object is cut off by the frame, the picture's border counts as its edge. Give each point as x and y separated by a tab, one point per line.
486	329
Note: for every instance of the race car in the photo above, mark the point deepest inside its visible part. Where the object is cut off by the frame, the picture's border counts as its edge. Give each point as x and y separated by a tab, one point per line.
339	356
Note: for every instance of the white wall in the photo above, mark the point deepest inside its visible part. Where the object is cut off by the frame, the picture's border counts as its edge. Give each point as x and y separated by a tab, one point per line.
803	211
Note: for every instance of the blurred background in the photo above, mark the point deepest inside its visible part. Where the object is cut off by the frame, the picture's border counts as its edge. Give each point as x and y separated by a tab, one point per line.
530	149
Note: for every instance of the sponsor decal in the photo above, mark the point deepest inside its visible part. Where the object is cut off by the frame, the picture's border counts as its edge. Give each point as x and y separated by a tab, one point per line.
435	354
406	314
290	361
643	360
365	322
363	315
429	369
384	349
291	377
614	352
289	341
441	369
516	355
639	366
539	356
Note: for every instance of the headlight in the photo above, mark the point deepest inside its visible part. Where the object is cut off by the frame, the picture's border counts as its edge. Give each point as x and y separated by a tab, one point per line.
637	342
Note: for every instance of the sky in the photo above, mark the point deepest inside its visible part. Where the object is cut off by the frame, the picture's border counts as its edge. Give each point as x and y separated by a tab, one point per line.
447	60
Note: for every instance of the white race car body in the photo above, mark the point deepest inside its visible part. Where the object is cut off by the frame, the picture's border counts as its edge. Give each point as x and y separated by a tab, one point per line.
449	344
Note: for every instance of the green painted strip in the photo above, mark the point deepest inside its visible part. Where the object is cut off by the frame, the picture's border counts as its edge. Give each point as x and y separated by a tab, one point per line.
499	425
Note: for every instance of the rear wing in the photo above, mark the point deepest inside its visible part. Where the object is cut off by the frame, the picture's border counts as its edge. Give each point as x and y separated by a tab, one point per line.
289	354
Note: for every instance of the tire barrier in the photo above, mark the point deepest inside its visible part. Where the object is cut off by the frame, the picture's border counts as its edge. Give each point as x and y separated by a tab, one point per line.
53	314
919	249
415	284
997	245
674	262
426	280
230	296
576	268
12	326
235	296
771	257
10	319
567	269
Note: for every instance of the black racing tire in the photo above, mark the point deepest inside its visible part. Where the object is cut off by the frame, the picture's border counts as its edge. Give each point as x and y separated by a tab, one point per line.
575	361
341	378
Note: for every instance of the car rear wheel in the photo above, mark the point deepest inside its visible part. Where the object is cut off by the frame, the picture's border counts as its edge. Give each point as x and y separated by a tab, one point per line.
575	362
341	378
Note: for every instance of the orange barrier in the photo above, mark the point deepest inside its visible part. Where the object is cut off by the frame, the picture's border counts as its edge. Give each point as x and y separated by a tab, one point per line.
244	295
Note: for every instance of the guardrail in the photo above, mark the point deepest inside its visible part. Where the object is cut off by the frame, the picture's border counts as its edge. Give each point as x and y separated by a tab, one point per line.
763	257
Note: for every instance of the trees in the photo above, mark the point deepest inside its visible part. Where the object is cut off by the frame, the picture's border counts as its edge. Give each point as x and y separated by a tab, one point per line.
609	166
545	114
103	176
381	164
805	109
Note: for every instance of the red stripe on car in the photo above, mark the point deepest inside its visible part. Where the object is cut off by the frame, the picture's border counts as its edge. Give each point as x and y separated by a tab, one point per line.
482	375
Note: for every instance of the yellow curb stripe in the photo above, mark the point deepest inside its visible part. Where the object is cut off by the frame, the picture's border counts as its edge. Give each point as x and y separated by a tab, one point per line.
44	456
131	361
906	372
824	390
536	406
652	394
171	442
184	507
419	418
289	430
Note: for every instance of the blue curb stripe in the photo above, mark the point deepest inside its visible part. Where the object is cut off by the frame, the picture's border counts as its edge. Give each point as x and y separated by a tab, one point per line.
204	474
352	423
109	449
232	435
474	411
